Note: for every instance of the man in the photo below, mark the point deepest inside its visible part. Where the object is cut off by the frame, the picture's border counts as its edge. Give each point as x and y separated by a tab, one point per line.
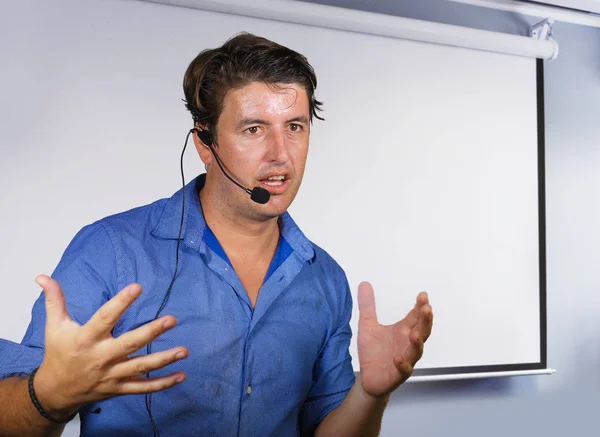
256	333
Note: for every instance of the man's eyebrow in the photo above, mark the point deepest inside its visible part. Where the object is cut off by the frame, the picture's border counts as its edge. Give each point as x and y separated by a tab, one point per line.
299	119
246	121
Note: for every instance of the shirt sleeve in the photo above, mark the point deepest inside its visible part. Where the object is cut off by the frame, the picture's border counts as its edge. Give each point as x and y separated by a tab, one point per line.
87	274
333	375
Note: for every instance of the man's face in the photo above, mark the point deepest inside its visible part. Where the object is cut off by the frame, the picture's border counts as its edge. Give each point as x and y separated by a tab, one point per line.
262	140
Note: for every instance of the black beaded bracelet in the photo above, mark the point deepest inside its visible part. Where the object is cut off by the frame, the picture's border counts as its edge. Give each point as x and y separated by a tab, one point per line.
37	405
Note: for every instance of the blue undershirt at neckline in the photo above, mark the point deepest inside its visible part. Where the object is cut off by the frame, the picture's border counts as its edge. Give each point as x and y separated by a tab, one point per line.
284	250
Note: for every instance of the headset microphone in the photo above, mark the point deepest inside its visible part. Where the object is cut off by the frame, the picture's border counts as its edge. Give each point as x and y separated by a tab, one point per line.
257	194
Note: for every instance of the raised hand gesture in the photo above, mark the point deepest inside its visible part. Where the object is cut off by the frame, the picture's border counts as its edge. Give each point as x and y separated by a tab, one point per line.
85	364
387	354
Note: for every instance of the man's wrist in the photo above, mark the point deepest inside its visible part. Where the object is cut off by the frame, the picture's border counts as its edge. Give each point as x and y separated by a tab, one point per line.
44	398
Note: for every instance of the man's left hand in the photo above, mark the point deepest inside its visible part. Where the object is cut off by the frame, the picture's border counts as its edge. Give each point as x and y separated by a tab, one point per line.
388	354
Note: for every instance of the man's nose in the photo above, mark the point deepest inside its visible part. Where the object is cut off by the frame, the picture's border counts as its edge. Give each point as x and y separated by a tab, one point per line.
278	147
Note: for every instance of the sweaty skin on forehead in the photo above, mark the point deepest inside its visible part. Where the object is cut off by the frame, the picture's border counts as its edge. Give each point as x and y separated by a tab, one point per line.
257	98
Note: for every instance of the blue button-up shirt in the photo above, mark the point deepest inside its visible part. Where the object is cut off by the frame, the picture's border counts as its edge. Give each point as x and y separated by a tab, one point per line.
274	370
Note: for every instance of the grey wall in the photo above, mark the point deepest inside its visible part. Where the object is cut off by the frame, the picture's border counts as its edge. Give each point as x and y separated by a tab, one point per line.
567	402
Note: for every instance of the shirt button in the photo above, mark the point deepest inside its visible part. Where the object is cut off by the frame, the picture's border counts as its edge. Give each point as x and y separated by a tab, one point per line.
249	390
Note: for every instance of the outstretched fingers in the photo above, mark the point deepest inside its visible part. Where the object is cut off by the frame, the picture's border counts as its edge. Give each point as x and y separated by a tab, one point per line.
151	385
105	319
425	321
419	334
414	350
412	318
133	341
139	366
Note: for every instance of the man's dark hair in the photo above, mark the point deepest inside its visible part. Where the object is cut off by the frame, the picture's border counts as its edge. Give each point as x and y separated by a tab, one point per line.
240	60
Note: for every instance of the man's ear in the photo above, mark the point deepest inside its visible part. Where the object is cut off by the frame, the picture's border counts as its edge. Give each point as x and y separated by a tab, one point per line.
201	137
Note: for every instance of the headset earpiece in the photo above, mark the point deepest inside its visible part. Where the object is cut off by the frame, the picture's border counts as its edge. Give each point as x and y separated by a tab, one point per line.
204	136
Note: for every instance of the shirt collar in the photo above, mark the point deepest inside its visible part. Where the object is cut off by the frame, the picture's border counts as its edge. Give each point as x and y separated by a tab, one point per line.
194	225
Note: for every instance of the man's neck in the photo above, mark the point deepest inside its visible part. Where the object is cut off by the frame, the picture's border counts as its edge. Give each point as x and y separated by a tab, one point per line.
238	236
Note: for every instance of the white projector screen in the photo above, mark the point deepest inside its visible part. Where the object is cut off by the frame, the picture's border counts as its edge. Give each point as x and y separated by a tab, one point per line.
426	175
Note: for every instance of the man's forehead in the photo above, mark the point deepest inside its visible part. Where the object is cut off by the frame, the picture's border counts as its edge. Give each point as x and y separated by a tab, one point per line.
260	98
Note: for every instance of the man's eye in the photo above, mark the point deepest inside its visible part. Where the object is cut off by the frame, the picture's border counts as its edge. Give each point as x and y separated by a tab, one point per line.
295	127
252	130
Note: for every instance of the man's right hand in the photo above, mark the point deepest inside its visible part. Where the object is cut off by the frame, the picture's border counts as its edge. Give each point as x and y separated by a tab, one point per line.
85	364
